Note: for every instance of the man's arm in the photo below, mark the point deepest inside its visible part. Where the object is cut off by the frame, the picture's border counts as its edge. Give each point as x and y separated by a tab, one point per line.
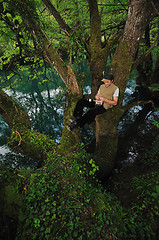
110	102
97	96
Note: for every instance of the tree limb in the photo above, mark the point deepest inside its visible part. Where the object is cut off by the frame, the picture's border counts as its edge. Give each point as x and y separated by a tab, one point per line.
48	49
127	107
155	8
57	16
139	60
20	138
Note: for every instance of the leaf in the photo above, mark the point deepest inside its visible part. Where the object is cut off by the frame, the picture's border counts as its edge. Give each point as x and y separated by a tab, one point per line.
47	213
48	230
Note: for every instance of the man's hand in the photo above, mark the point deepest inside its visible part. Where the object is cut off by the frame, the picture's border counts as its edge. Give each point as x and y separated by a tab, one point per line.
97	96
111	102
101	99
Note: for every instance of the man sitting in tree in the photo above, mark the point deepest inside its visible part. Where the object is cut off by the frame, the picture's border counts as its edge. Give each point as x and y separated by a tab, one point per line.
106	97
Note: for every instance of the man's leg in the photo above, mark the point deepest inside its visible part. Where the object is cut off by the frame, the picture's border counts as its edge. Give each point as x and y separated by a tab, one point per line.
90	116
78	112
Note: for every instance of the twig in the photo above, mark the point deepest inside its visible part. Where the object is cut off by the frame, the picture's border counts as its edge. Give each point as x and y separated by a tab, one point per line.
157	12
19	138
139	60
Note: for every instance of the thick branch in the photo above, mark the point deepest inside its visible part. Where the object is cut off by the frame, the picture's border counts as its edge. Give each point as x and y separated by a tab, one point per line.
13	114
142	57
49	51
95	22
127	107
57	16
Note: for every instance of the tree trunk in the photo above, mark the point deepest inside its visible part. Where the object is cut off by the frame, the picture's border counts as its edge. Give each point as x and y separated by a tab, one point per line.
107	140
98	56
51	55
139	15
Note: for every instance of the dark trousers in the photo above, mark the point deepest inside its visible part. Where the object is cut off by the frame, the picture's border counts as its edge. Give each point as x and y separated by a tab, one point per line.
90	115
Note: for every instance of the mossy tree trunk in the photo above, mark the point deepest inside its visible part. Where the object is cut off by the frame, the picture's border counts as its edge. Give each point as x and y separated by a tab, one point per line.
48	50
97	51
53	57
139	15
13	113
107	140
98	56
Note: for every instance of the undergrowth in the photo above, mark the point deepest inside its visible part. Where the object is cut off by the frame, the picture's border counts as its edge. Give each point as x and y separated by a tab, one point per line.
64	200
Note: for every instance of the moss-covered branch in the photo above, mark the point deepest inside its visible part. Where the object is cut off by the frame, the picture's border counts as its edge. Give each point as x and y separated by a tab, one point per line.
13	113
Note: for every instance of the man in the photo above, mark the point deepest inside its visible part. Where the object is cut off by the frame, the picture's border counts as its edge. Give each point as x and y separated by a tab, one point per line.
106	97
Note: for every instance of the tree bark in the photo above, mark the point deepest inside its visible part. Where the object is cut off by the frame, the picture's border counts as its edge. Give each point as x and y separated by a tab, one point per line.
13	114
57	16
107	140
98	55
50	53
139	15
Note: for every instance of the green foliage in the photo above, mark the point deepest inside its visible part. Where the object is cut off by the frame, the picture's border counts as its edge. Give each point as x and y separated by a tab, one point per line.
15	37
148	188
60	203
63	200
154	87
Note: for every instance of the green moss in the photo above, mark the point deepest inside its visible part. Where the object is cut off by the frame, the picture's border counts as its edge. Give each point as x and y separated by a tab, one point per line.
69	140
63	193
121	66
31	143
99	202
12	203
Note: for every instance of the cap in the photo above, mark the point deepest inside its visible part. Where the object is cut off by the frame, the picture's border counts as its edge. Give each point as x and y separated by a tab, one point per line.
108	76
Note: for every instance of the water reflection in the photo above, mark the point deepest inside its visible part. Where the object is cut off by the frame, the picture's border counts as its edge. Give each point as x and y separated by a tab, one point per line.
45	108
3	151
7	156
16	160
